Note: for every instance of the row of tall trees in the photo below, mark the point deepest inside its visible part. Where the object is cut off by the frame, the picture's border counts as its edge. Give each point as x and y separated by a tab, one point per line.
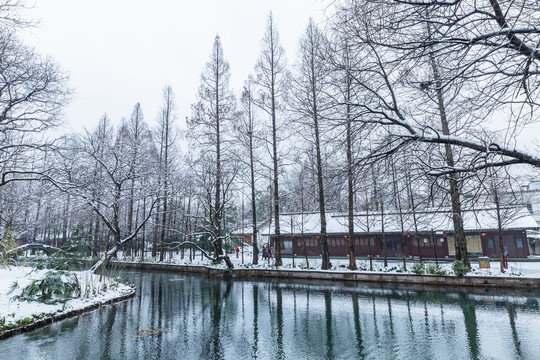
389	107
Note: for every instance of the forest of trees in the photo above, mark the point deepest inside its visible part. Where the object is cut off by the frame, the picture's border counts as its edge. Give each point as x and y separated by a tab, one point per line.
387	106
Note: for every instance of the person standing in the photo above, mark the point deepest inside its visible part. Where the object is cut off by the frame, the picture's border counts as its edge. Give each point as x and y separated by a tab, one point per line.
236	250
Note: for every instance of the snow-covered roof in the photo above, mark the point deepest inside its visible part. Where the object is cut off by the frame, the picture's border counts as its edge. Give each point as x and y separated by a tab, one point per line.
248	228
427	220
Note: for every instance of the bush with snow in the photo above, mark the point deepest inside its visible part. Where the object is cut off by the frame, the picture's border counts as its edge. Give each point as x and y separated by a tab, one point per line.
418	268
54	287
460	268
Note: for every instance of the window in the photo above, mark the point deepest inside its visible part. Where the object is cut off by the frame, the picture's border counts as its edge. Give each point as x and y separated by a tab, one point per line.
519	243
287	244
491	243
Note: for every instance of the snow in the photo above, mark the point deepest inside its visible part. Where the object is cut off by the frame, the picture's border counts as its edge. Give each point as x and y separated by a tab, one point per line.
93	292
529	269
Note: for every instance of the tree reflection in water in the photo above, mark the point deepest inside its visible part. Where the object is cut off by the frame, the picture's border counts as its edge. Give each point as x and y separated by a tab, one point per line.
210	318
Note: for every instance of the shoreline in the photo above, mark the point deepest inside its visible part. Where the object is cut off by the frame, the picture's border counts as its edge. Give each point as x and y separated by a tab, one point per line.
354	276
61	316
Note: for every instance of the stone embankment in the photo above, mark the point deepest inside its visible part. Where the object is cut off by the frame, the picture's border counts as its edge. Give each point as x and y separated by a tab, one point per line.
358	276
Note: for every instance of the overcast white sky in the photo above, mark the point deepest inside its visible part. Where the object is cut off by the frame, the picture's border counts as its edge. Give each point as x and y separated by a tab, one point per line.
119	52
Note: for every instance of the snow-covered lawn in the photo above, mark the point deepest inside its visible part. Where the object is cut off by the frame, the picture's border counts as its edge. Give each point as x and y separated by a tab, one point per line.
522	269
18	312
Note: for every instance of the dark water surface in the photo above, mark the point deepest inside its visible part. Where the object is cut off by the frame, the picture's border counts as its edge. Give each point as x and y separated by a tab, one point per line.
209	318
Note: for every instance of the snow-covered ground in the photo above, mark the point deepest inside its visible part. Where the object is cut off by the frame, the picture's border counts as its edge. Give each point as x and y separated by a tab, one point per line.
15	278
522	269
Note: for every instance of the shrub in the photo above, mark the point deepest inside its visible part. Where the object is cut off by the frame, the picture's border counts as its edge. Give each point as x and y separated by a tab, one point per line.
435	269
56	286
7	245
418	268
459	268
78	242
60	262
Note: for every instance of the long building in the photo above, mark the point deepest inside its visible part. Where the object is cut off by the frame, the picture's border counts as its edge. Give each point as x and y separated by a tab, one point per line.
429	233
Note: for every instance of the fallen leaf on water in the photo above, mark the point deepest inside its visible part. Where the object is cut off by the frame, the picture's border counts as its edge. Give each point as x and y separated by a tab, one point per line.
149	331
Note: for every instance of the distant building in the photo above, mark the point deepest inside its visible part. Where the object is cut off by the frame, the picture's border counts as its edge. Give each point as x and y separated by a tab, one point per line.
431	235
532	198
531	195
245	233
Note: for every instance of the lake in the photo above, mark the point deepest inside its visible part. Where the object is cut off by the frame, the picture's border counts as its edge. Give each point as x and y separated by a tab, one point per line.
179	316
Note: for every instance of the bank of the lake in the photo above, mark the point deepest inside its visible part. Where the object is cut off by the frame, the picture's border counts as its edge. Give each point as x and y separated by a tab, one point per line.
23	310
519	282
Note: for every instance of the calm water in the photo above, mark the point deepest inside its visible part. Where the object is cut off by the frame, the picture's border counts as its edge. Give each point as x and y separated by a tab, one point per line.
205	318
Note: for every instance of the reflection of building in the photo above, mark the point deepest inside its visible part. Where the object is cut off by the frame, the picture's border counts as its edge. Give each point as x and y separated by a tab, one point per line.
431	236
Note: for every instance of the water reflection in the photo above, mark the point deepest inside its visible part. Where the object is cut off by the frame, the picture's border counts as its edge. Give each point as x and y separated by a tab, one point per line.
206	318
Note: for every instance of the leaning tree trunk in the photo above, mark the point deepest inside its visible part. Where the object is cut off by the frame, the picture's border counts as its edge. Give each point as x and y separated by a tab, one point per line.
459	232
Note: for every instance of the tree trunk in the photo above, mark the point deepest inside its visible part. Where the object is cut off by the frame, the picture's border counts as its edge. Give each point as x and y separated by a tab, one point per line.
252	178
324	236
350	188
143	240
398	200
499	227
218	245
65	223
385	253
459	233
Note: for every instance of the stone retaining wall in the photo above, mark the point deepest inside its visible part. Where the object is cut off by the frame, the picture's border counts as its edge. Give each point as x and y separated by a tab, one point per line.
472	281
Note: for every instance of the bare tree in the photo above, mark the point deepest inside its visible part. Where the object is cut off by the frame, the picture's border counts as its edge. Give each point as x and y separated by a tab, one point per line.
500	190
210	124
271	78
475	35
342	60
246	131
33	92
383	76
12	14
310	103
167	138
109	153
138	141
